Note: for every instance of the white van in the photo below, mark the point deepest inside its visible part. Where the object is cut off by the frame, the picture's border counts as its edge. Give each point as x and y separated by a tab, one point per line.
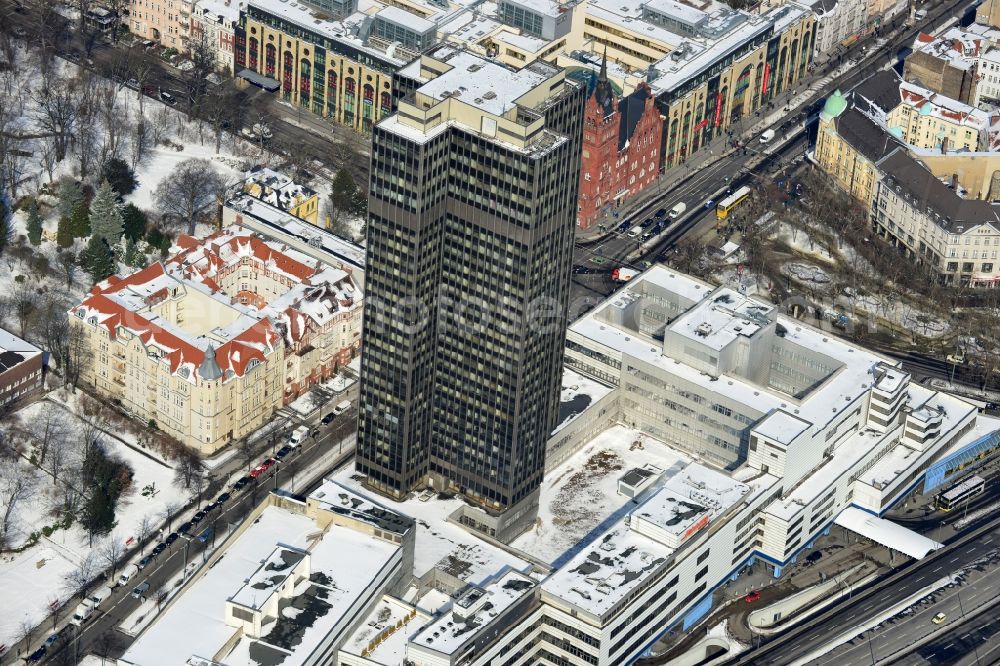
298	435
920	14
81	614
678	210
97	597
767	136
635	231
342	407
127	574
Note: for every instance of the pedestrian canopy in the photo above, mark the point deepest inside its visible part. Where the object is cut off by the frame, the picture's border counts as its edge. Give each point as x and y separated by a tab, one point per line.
886	532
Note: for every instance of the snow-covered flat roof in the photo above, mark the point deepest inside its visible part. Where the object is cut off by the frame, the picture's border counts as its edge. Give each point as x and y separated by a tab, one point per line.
721	319
317	22
343	564
473	612
338	248
578	394
686	503
482	83
337	498
523	42
439	541
383	635
621	558
12	343
582	493
268	577
404	18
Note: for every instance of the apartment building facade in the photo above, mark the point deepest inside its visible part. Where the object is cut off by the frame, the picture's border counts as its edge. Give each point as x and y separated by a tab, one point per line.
957	237
209	344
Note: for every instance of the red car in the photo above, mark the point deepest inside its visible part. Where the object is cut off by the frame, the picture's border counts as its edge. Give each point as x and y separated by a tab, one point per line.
263	467
752	597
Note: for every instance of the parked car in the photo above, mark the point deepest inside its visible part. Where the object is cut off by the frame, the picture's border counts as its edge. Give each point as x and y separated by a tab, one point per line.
661	212
140	590
210	507
241	482
144	562
709	203
223	498
752	597
185	526
50	641
159	548
35	656
331	416
198	517
170	538
622	228
342	407
167	98
132	83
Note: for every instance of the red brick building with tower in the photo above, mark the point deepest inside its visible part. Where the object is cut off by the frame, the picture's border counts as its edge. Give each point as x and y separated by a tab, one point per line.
621	148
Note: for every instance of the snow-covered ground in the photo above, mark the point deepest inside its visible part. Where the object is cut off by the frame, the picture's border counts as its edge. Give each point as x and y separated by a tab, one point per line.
36	577
581	494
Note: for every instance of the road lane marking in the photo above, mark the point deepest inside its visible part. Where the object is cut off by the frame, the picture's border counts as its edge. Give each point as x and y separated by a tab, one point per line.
938	569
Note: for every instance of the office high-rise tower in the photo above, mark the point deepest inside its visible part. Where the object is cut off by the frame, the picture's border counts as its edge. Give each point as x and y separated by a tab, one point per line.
472	208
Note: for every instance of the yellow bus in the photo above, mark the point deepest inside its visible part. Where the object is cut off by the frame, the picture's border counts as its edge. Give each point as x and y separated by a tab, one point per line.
731	202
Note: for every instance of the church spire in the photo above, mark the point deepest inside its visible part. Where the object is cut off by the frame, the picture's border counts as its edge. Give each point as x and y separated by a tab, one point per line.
602	90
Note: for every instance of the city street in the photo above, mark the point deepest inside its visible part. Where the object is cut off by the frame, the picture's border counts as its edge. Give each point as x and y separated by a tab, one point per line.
297	474
881	596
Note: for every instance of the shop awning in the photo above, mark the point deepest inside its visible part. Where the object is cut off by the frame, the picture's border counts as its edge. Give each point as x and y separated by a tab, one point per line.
265	82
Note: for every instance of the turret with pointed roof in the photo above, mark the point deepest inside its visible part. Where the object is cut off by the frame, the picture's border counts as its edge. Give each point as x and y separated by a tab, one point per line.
209	368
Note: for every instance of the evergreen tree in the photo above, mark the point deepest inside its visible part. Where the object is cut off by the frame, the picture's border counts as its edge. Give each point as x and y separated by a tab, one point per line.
97	259
64	232
342	194
70	196
118	173
133	222
34	225
105	218
131	256
80	221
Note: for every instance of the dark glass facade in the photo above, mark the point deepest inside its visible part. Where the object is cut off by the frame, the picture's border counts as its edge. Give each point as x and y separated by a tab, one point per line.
469	262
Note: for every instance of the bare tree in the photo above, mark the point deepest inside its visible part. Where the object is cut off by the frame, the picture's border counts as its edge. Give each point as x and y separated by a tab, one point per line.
15	487
190	470
57	105
50	427
168	513
78	354
25	630
112	549
143	531
78	580
246	449
189	192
